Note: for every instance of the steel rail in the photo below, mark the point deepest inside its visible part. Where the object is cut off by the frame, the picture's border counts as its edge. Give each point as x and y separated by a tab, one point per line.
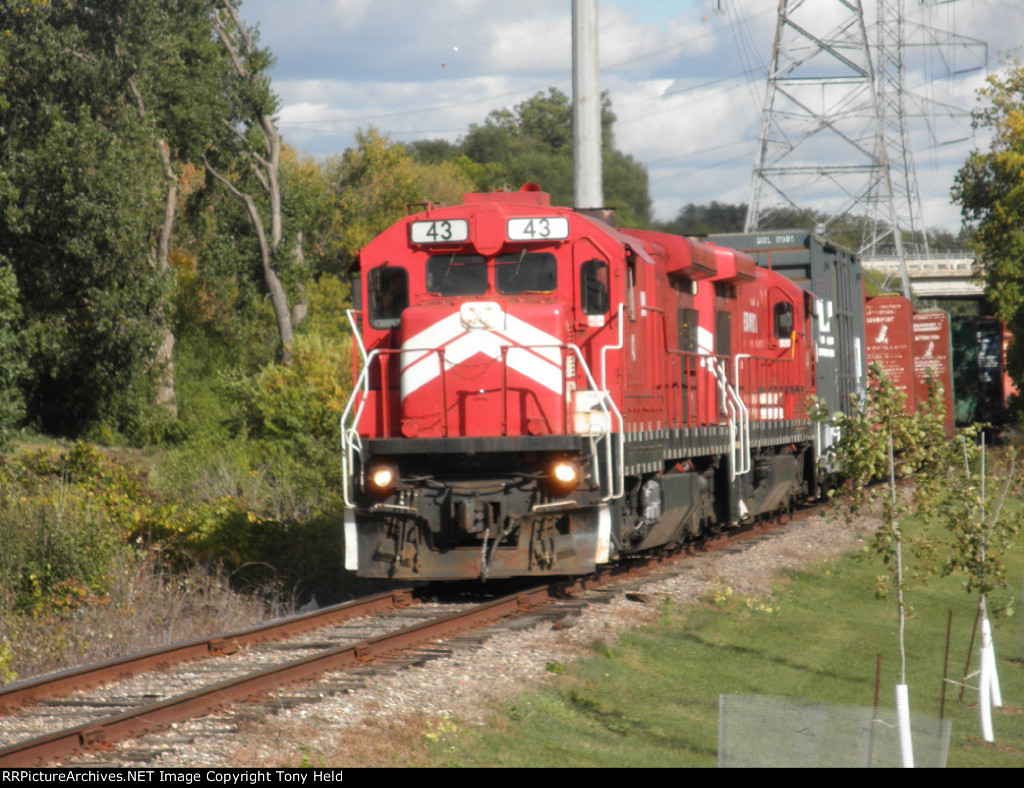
65	682
160	715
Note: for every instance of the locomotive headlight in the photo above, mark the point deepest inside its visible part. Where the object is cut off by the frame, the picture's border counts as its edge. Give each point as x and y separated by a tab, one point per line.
382	478
565	476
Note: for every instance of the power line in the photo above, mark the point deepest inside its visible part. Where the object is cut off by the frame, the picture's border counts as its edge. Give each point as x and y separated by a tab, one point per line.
611	68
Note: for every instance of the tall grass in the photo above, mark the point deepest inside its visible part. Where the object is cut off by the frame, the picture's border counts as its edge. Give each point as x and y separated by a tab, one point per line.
96	559
143	607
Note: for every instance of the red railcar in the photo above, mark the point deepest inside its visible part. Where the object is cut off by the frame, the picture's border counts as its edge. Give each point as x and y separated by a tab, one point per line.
889	342
538	392
913	348
933	359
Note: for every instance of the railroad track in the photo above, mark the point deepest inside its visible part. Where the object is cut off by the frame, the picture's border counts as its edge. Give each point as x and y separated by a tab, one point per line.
235	667
53	718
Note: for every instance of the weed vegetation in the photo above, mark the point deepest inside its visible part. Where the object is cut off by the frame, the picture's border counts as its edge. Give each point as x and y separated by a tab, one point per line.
100	556
651	698
227	514
107	551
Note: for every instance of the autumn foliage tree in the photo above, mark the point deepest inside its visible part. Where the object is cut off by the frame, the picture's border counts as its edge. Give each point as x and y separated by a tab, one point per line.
253	146
377	180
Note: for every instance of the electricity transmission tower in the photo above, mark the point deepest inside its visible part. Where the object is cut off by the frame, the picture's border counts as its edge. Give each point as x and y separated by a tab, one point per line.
903	228
835	121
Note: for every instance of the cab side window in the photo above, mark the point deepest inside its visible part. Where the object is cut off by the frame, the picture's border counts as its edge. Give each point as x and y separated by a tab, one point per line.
388	294
783	314
594	287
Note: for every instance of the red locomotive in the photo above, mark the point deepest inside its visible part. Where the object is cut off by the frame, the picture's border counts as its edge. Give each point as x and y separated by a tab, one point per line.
539	392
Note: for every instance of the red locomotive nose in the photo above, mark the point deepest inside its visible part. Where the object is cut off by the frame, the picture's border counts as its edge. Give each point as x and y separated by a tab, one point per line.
468	368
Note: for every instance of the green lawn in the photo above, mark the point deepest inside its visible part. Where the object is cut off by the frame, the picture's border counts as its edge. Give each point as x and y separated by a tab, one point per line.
652	699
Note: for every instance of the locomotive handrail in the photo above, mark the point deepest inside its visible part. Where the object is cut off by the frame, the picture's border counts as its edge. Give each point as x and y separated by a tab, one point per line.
745	415
350	435
350	314
605	398
621	344
739	424
737	417
349	440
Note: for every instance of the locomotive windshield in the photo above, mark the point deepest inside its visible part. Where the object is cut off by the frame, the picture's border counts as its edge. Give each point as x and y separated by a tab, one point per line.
525	273
516	273
457	274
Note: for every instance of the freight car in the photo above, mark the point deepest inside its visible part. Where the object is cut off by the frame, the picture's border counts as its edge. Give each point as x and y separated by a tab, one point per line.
833	275
983	388
538	392
933	360
912	347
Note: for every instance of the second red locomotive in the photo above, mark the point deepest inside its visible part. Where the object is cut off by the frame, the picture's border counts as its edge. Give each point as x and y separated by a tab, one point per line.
539	392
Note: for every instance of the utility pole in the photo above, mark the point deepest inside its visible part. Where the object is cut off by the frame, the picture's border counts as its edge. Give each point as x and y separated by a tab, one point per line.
586	128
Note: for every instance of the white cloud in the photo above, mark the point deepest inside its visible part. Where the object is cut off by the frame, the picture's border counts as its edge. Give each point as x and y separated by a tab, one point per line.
529	45
347	14
674	70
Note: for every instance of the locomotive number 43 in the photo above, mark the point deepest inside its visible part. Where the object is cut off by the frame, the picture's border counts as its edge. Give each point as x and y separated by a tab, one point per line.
440	231
545	228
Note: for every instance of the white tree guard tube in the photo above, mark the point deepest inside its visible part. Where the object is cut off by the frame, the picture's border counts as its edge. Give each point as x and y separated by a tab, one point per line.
988	682
903	722
988	652
985	700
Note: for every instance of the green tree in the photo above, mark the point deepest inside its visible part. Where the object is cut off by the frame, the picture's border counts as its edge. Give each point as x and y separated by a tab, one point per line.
990	191
82	187
12	373
247	160
878	440
171	61
705	219
111	104
533	142
377	179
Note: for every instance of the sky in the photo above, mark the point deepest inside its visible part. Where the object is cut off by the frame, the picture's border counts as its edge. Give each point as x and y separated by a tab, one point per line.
686	79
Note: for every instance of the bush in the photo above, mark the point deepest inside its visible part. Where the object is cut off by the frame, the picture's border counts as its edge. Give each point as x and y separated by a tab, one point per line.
860	456
66	520
144	607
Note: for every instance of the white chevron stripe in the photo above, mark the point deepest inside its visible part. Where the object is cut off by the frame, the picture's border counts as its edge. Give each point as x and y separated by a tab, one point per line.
533	353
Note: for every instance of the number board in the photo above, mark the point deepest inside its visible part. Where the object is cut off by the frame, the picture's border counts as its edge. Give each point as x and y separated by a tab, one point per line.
546	228
439	231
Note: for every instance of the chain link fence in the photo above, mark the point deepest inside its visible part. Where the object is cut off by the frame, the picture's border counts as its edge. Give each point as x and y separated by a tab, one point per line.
761	731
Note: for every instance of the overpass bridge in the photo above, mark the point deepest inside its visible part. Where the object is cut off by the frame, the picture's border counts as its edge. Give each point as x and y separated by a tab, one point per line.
936	275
